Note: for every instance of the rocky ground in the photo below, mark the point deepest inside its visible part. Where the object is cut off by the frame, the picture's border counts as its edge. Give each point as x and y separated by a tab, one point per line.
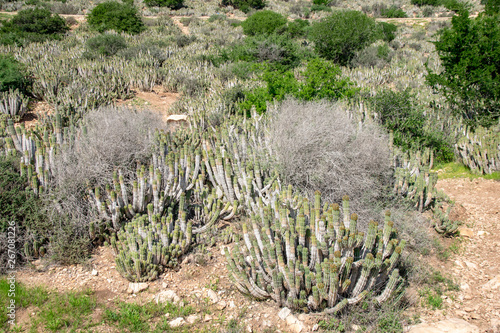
202	279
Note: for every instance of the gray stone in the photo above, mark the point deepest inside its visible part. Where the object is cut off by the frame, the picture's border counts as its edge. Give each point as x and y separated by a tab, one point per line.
177	322
213	296
452	325
193	318
134	287
94	272
167	296
284	313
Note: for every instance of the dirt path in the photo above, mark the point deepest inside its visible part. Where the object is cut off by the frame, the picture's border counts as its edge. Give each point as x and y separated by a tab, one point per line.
476	268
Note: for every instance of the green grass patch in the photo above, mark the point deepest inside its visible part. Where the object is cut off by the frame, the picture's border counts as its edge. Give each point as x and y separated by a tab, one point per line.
57	311
130	317
457	170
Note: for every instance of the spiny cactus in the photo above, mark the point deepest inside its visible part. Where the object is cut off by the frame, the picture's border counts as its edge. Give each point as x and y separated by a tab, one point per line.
147	245
479	150
304	255
413	178
13	103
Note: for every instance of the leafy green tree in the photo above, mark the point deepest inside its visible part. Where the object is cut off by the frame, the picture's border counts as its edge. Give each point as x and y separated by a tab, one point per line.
32	25
172	4
263	22
470	55
338	36
116	16
13	75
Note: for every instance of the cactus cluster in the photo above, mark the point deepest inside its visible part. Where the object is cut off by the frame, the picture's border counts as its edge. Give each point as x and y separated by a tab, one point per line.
413	178
148	244
13	103
306	256
480	150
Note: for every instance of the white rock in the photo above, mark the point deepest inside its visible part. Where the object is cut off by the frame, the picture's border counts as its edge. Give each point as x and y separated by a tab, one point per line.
94	272
471	265
291	319
213	296
231	304
167	296
207	318
193	318
492	284
315	327
297	327
249	329
453	325
284	313
177	322
134	287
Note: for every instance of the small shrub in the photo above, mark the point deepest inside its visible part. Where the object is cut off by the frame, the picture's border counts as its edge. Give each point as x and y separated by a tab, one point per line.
263	22
71	21
172	4
115	16
400	113
387	31
393	12
278	51
323	80
421	3
297	28
64	8
183	40
13	75
217	17
428	11
340	35
106	45
32	25
320	8
18	205
244	5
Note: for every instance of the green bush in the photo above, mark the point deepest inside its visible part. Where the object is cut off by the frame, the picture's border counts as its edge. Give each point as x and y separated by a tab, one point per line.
244	5
323	80
277	50
172	4
470	57
340	35
106	45
491	7
116	16
421	3
387	31
393	12
263	22
18	204
320	80
13	75
32	25
297	28
399	112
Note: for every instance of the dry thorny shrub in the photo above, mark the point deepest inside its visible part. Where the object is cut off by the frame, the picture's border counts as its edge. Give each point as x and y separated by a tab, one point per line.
318	147
115	139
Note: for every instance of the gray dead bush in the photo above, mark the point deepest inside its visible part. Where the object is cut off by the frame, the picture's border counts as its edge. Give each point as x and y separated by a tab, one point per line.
318	147
115	138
